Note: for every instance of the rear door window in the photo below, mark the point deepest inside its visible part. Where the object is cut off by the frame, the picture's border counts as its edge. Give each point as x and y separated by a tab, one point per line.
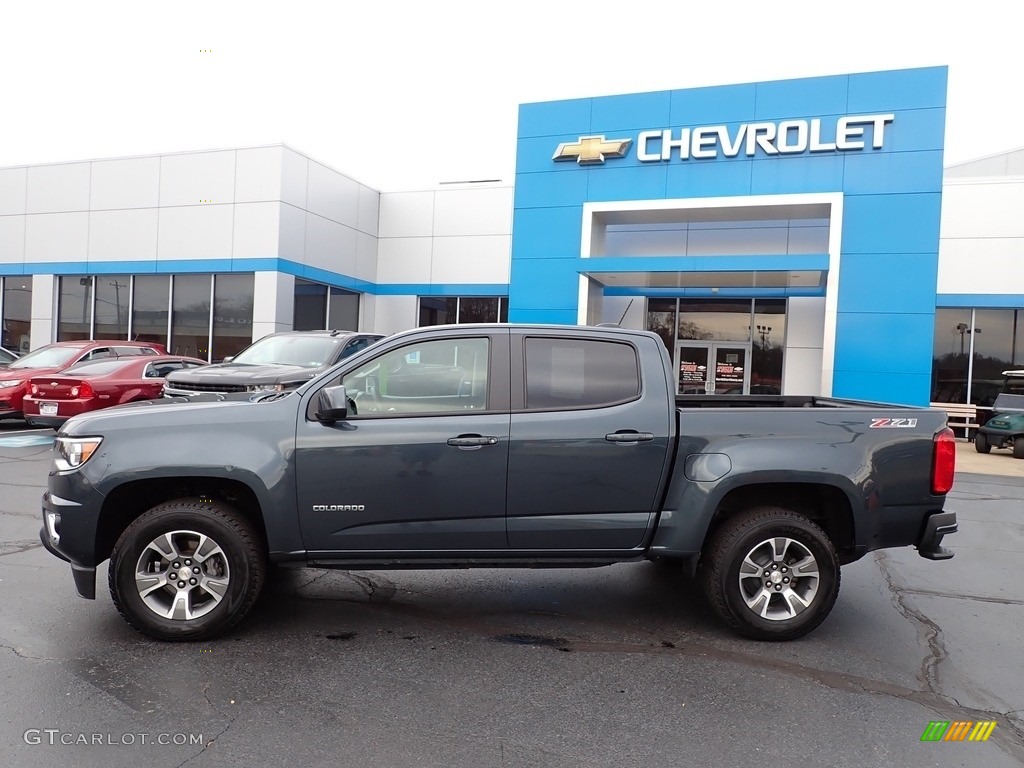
579	373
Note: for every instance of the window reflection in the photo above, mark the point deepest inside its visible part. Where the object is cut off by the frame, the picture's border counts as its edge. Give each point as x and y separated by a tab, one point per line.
17	313
150	295
190	316
232	315
74	309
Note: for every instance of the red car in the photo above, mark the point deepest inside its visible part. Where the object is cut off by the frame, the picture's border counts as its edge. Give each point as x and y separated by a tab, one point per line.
89	386
56	357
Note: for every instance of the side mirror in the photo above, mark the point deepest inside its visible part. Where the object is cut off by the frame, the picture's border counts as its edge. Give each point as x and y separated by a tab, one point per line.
332	405
228	359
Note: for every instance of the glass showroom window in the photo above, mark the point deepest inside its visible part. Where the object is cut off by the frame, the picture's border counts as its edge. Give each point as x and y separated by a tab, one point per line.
16	311
463	309
318	306
971	349
151	298
74	308
190	315
113	300
232	315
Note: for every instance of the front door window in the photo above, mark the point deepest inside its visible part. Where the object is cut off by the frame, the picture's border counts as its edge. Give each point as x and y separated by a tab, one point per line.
712	368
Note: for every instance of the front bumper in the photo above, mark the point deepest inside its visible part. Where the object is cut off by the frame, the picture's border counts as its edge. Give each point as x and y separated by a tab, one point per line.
70	527
929	545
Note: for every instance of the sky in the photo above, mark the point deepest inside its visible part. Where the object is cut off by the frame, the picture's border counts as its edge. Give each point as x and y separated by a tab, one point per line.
405	95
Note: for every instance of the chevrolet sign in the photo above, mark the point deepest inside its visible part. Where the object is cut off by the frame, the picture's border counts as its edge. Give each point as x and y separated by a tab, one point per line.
785	137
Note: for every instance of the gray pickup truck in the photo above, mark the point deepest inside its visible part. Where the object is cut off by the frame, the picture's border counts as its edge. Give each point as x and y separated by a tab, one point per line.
493	446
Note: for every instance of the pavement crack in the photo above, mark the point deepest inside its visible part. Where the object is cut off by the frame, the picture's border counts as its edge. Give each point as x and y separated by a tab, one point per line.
377	589
932	632
17	547
20	653
207	743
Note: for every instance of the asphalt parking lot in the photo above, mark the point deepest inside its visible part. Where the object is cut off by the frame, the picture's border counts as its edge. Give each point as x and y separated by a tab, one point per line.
604	667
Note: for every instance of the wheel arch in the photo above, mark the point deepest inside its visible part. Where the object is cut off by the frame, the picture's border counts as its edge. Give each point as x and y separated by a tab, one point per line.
128	501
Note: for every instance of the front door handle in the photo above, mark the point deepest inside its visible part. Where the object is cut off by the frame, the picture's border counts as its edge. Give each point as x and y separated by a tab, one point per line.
629	436
472	441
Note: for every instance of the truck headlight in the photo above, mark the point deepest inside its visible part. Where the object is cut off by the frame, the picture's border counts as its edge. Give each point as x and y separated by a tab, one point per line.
73	452
265	388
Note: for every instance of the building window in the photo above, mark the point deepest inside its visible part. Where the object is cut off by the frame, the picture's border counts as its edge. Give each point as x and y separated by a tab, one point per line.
450	310
319	306
971	349
151	296
16	311
232	315
74	308
190	315
113	295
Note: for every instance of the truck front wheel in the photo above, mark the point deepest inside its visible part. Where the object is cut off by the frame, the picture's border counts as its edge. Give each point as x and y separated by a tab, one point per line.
188	569
771	574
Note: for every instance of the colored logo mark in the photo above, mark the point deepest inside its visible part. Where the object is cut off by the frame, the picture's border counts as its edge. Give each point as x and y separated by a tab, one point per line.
591	149
958	730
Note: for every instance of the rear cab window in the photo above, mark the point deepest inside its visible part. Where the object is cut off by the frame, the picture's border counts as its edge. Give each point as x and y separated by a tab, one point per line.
572	373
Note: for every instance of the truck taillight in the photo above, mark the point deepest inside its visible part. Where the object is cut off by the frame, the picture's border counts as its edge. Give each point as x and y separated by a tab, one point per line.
943	461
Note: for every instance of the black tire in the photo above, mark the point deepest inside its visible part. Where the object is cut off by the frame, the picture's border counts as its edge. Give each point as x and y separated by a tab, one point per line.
772	617
981	444
233	559
1018	447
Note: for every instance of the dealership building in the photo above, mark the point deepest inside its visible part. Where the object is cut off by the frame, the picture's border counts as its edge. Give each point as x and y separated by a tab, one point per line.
798	236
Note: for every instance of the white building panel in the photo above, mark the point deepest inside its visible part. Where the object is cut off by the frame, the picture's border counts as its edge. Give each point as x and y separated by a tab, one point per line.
404	260
294	177
332	195
395	313
369	210
330	245
195	232
57	237
58	188
801	371
406	214
471	259
128	235
196	177
12	239
982	208
273	303
366	257
257	231
292	237
981	265
12	190
483	211
805	322
258	174
130	183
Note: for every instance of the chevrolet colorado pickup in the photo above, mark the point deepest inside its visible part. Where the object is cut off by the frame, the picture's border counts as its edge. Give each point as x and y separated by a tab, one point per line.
493	446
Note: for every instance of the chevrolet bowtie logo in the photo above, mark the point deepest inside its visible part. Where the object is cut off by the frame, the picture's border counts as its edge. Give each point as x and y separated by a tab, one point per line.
591	149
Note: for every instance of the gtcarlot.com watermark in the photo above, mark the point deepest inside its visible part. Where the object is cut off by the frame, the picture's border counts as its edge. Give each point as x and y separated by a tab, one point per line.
57	737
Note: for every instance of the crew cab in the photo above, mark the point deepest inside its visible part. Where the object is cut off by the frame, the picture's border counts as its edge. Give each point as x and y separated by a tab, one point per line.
493	446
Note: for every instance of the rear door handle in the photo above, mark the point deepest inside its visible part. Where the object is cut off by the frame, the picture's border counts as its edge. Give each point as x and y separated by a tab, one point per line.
472	441
629	436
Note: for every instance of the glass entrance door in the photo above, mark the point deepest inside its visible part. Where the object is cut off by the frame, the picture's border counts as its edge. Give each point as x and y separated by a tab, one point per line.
712	368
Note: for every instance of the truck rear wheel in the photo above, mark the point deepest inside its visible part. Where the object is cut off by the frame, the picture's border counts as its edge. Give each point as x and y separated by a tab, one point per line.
981	444
188	569
771	574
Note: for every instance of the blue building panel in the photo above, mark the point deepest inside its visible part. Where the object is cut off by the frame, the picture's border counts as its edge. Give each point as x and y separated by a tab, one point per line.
554	117
897	90
548	232
706	106
810	97
712	179
550	190
888	223
636	110
892	172
810	173
884	343
895	388
878	282
620	183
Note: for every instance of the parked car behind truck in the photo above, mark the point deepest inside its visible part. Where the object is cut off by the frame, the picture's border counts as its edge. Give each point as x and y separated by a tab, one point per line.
494	446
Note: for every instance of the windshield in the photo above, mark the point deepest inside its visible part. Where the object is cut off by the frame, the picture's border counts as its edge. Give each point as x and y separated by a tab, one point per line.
304	351
47	357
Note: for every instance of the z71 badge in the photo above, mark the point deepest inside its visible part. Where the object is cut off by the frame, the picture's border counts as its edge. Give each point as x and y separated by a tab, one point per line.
893	423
